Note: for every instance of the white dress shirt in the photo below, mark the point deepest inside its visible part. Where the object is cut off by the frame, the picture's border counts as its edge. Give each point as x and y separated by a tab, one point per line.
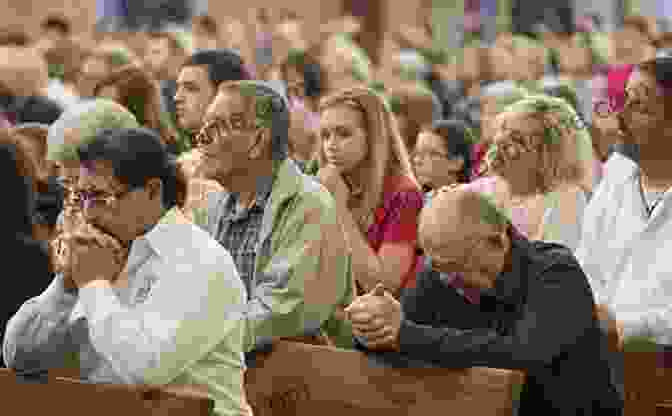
626	252
173	316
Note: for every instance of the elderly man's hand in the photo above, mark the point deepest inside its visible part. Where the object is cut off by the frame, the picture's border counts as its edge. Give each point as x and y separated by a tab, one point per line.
376	319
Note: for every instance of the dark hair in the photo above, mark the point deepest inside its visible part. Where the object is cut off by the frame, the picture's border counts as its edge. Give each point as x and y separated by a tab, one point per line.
224	65
140	95
59	23
458	140
138	155
207	23
15	169
309	68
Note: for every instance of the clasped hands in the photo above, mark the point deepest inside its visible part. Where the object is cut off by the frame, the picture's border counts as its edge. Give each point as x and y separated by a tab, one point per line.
88	258
376	319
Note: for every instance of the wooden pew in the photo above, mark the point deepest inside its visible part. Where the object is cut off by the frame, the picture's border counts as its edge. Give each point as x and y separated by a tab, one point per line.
65	396
294	379
308	380
647	385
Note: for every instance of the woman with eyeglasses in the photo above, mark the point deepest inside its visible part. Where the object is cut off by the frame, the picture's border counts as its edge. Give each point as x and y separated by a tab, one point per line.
365	165
442	155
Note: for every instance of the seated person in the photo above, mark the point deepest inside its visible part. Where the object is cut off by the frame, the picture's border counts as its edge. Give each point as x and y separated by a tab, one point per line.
169	315
535	315
281	226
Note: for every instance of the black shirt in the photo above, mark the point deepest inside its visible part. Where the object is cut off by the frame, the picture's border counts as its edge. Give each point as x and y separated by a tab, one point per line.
538	319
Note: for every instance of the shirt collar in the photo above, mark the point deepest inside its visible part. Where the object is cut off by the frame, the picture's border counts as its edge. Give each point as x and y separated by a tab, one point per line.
508	284
162	237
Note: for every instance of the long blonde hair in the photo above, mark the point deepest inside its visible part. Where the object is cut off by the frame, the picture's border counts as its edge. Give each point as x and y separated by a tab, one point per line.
387	152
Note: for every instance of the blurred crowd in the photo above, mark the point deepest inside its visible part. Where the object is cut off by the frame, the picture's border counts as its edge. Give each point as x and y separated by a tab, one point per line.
341	193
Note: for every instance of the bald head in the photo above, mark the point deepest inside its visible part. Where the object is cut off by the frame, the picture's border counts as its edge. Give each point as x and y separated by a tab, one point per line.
459	213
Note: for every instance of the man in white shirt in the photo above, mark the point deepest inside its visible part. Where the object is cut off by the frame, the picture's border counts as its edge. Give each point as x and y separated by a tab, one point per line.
171	315
627	230
627	233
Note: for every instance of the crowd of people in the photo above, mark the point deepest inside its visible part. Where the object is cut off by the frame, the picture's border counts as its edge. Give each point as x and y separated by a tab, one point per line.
178	204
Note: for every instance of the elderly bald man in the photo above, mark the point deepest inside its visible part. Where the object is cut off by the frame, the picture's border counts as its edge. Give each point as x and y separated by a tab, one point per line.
535	315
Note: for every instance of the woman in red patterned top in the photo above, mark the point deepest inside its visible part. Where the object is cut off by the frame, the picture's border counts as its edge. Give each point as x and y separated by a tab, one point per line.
365	165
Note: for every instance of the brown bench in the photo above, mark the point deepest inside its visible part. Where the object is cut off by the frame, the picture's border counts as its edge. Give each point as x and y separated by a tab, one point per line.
66	396
295	379
647	385
309	380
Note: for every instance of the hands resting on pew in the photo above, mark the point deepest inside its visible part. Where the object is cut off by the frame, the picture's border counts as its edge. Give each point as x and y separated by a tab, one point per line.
376	319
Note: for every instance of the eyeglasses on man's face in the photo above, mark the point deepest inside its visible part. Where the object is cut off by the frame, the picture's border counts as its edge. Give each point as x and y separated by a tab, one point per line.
96	198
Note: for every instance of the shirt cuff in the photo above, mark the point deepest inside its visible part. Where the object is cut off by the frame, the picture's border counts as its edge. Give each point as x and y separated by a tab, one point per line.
98	300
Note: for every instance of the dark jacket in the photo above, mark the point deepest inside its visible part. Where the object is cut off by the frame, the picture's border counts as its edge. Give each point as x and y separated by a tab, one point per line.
538	319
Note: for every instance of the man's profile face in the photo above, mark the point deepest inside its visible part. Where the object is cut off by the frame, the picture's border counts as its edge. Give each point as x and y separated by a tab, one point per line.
228	137
194	94
108	204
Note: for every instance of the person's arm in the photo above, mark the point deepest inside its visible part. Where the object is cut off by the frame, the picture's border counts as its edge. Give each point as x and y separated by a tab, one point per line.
538	337
195	304
304	282
37	337
396	255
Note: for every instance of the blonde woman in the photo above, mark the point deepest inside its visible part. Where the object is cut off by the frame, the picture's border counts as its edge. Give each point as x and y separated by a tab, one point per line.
365	165
538	154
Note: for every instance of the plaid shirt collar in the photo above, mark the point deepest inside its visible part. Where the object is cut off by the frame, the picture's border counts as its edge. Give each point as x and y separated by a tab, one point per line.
234	212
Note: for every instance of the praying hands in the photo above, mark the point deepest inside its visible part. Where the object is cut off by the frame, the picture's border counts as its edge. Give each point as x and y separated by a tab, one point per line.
376	319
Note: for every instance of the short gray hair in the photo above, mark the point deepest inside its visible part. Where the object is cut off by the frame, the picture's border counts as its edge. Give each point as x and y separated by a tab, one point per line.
279	114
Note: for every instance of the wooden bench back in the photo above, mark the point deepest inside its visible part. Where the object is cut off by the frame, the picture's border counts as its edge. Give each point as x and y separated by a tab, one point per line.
64	396
308	380
295	379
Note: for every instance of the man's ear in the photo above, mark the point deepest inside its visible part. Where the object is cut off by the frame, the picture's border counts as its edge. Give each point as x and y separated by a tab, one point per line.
262	141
